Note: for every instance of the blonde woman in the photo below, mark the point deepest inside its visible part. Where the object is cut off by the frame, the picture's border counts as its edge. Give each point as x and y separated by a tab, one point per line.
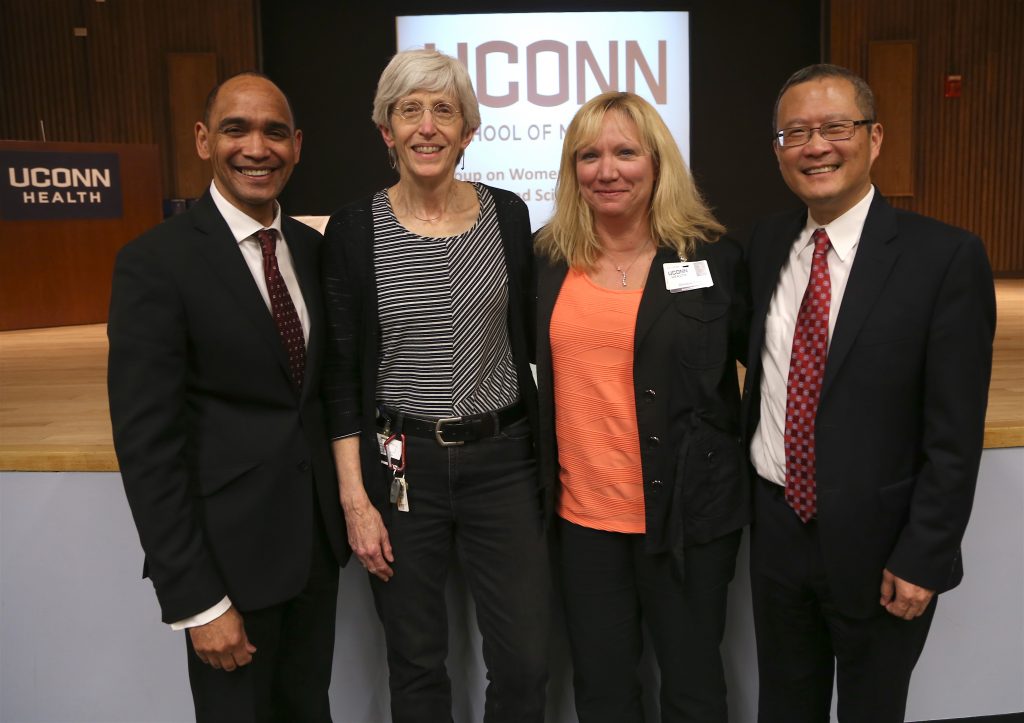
642	315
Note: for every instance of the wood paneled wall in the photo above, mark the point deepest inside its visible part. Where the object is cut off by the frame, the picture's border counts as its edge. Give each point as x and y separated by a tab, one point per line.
111	84
969	154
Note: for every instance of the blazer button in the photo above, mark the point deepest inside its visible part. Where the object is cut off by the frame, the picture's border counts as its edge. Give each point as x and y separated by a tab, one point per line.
653	441
650	394
656	484
302	466
711	457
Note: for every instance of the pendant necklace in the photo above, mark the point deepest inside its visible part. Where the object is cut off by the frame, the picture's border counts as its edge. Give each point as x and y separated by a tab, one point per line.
624	271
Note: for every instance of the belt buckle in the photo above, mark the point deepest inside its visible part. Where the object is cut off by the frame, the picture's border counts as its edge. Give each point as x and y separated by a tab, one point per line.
438	433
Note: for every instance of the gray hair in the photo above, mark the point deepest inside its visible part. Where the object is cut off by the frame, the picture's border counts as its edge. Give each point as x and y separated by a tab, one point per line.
864	97
427	70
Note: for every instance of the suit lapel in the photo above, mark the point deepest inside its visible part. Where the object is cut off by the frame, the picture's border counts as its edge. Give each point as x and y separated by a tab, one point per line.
766	279
306	269
871	267
655	297
218	246
549	283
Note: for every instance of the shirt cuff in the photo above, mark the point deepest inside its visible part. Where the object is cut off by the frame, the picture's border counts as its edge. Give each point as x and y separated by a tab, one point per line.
207	616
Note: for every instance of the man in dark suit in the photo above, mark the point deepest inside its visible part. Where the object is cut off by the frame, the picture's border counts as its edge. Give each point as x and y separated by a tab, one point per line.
870	357
216	333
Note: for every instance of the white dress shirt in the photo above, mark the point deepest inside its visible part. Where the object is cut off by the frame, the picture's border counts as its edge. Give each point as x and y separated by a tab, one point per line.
243	228
767	449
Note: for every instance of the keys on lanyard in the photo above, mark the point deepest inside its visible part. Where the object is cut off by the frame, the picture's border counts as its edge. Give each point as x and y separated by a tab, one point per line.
395	444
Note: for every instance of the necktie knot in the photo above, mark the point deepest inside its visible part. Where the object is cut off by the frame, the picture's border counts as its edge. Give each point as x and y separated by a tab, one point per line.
268	241
821	241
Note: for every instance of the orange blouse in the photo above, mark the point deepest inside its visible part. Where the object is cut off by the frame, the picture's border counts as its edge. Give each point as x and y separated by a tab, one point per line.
595	414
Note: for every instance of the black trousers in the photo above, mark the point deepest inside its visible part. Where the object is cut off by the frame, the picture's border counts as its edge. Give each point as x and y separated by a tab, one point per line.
804	640
609	584
290	673
482	500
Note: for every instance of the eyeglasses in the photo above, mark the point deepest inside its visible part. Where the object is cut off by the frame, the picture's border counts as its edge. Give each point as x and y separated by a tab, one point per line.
840	130
442	113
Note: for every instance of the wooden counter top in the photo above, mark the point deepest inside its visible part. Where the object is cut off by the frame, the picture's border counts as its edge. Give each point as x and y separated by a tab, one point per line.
53	398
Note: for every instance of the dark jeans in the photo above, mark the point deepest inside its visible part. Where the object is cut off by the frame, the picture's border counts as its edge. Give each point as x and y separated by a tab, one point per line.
481	499
803	640
290	673
609	585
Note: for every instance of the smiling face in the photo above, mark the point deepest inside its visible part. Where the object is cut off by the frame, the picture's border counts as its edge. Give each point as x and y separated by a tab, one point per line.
251	143
829	176
426	149
615	173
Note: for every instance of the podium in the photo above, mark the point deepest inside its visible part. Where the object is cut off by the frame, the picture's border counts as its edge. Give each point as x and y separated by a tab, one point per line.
65	210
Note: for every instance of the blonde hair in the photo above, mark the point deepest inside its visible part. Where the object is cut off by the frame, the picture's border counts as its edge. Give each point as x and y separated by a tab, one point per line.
678	216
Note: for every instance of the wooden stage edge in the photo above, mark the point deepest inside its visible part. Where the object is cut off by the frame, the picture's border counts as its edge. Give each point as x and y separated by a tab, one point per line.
53	399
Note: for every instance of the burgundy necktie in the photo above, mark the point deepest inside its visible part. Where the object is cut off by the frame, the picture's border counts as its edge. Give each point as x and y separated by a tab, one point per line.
806	370
282	308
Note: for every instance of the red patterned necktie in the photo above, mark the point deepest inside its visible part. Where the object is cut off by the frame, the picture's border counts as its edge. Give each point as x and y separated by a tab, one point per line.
282	308
806	370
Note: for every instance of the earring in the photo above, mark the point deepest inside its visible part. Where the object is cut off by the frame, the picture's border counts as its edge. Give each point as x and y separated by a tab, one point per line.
392	159
463	160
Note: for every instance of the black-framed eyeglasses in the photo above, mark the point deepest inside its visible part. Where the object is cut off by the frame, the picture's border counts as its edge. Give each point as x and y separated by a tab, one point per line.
442	112
840	130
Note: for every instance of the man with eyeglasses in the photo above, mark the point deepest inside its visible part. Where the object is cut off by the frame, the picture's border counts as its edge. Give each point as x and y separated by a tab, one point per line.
864	407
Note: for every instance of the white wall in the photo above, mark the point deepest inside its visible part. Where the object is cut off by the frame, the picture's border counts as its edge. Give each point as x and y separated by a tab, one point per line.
81	641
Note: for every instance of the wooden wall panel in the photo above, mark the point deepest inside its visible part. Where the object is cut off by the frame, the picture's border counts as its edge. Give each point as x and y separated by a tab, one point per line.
969	165
38	60
892	73
189	78
111	85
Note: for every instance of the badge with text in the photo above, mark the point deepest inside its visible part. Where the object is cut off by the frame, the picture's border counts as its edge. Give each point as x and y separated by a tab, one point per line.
394	457
687	275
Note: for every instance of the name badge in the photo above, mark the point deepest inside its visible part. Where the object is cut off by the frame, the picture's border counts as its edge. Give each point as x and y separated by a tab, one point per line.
394	453
687	275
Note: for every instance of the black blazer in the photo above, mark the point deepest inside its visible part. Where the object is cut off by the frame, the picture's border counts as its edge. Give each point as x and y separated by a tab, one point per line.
901	416
219	452
685	350
353	352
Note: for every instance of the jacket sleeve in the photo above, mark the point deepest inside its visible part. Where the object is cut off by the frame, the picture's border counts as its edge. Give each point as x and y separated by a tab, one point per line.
343	310
146	383
957	371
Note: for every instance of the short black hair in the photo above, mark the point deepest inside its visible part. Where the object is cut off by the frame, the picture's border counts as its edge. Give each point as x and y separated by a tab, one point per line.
864	97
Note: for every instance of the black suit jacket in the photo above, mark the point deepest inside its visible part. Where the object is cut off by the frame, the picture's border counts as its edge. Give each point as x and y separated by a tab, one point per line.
900	420
686	393
220	454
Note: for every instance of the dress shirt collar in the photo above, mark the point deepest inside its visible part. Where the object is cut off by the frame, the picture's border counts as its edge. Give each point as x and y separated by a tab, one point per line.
844	232
242	225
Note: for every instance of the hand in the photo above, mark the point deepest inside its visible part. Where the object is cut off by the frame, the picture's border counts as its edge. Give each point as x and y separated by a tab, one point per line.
368	538
222	642
903	599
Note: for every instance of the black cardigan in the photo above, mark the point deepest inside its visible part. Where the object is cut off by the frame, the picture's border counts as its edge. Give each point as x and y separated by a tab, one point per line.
687	398
353	344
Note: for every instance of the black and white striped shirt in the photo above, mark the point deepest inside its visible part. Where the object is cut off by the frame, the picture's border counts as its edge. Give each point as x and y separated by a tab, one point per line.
443	305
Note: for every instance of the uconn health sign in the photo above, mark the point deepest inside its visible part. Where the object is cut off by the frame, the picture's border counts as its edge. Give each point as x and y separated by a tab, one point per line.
58	185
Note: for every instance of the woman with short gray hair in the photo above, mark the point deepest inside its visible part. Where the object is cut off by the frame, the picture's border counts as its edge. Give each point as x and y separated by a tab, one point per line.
431	401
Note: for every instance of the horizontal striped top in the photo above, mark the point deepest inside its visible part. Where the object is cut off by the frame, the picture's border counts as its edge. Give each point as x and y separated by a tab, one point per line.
601	476
443	305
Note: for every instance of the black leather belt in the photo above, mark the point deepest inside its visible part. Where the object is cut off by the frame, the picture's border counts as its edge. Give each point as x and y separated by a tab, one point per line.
450	431
773	488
